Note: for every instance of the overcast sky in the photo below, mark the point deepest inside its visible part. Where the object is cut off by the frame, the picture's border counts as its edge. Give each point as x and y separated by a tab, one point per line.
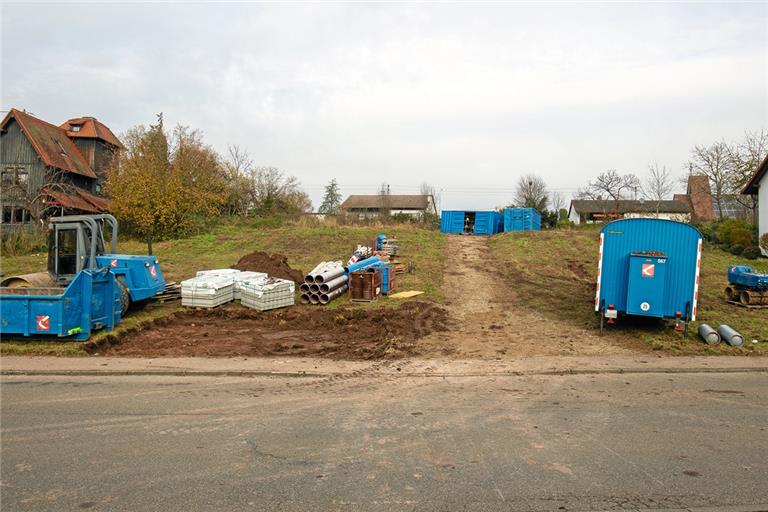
467	97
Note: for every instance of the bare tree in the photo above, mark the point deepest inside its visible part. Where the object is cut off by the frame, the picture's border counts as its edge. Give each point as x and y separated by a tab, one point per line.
273	192
531	192
427	189
386	205
237	170
658	185
557	203
745	158
612	186
239	160
715	162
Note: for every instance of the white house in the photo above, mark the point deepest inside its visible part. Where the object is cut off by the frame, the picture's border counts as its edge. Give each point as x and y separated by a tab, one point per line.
373	205
603	210
758	186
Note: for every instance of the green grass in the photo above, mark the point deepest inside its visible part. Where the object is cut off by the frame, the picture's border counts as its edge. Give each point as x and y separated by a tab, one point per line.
304	244
554	273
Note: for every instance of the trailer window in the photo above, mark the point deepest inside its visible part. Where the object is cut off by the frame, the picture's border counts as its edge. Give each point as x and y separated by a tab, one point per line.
66	247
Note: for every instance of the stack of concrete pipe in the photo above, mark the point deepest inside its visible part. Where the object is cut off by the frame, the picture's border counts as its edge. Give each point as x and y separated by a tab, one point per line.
324	283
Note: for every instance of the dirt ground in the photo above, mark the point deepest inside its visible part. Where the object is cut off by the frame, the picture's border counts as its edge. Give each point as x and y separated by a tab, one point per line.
233	330
490	320
483	318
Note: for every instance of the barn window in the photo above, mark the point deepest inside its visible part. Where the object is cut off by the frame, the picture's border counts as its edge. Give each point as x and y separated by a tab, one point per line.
75	128
22	176
9	176
7	214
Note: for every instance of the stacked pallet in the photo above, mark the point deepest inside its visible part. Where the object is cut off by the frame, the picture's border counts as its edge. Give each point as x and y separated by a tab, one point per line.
207	291
268	294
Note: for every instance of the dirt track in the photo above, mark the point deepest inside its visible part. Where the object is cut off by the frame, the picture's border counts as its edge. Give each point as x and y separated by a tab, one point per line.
491	320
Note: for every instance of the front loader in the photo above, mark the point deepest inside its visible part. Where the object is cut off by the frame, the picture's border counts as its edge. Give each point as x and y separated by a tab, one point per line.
80	278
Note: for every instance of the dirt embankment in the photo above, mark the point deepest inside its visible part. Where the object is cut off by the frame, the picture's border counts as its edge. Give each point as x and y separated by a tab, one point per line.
348	333
276	265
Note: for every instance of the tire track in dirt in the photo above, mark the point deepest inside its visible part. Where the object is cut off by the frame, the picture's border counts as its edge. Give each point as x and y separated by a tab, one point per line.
491	321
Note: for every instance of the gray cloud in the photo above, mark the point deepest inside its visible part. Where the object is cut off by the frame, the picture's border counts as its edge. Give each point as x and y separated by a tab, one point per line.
467	97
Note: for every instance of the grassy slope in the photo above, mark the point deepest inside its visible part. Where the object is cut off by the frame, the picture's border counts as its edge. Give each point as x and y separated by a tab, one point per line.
304	245
554	273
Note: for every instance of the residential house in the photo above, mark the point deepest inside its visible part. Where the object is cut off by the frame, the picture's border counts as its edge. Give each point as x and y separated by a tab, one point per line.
47	168
758	186
602	210
374	205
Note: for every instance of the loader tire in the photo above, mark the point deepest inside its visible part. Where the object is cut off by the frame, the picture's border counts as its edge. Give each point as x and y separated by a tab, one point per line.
125	298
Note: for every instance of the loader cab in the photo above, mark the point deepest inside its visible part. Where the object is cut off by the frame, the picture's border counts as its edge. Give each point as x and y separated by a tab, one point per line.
73	244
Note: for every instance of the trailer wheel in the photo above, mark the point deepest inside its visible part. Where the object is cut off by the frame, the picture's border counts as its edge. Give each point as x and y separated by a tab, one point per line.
125	298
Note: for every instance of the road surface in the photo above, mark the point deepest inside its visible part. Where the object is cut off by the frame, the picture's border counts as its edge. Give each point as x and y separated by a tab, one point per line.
373	442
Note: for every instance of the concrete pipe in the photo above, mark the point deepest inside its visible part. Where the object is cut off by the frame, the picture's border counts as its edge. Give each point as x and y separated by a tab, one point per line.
314	288
334	283
329	275
709	335
314	299
730	336
304	288
325	298
304	298
731	294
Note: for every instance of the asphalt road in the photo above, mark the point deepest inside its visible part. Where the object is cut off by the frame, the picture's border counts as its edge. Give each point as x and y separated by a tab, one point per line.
385	443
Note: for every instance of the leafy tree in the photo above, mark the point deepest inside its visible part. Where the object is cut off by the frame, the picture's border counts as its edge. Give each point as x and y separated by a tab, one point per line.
531	192
162	182
331	198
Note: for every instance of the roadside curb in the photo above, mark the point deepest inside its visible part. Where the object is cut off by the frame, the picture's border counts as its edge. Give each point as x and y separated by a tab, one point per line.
354	374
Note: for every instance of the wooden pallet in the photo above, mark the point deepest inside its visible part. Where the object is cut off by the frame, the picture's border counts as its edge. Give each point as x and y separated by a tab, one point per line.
749	306
172	292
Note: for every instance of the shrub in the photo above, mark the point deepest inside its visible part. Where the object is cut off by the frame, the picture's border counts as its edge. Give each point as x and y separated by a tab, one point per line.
751	253
741	236
724	231
23	240
737	249
764	241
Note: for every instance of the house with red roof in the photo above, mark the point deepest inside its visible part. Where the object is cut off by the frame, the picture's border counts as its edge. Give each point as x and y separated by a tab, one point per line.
47	169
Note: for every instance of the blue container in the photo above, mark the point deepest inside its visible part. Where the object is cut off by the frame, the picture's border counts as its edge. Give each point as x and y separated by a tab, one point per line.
90	302
488	223
649	267
452	221
140	274
521	219
387	274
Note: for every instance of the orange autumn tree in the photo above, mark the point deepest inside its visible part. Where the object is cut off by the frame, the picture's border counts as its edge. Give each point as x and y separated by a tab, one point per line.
161	183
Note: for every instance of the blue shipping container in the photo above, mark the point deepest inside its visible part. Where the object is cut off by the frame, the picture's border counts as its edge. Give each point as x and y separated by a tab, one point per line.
521	219
649	267
452	221
488	223
471	222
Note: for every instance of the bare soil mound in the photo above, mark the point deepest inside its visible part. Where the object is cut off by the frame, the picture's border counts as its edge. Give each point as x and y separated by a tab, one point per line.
347	333
276	265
